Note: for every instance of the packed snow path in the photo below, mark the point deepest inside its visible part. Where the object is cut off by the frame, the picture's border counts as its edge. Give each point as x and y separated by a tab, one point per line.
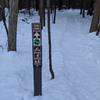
75	58
76	61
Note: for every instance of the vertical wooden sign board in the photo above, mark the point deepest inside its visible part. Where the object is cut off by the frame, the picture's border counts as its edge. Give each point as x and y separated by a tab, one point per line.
37	58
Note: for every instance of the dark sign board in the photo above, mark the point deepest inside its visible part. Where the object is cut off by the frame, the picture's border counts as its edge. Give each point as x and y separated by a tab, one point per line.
37	58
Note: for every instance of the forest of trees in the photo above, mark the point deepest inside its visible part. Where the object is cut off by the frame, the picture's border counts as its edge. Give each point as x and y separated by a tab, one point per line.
87	7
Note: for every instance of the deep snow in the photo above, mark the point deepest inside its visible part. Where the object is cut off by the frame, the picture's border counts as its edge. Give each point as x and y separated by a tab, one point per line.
76	60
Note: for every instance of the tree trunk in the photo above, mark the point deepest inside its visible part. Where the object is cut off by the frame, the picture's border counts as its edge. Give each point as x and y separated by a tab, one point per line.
82	7
41	5
96	17
49	41
12	25
54	20
44	13
29	6
59	4
2	15
90	7
37	5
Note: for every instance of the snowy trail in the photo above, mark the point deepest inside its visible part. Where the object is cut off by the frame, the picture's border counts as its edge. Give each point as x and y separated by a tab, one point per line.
80	65
76	61
77	68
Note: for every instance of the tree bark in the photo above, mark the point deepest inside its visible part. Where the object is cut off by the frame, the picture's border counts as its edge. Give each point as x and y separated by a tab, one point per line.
96	17
12	25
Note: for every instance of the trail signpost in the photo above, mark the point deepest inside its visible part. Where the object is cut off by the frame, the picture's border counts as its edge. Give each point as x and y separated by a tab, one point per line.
37	58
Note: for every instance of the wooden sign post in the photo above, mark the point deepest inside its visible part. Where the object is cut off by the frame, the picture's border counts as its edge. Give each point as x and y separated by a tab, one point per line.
37	58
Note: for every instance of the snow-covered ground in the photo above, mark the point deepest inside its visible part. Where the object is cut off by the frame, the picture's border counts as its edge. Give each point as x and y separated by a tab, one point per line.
76	61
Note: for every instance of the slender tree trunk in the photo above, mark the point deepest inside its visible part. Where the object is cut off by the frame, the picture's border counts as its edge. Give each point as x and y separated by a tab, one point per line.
4	22
90	7
29	6
49	42
41	5
37	5
2	15
44	2
13	25
59	4
54	20
81	6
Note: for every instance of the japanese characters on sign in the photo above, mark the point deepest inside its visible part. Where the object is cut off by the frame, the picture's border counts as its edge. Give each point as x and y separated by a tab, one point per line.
36	42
